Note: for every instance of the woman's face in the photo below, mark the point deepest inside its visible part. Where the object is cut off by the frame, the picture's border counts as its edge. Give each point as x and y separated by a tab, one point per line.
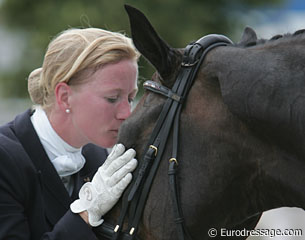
101	104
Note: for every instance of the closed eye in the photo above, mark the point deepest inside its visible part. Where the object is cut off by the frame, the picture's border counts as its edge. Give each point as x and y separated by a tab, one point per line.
111	100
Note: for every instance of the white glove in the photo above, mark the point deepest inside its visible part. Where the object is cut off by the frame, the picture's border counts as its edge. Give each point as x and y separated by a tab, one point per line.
109	182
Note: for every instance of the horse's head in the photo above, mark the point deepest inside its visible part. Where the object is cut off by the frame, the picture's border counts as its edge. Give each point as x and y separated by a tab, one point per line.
206	127
166	60
204	112
228	170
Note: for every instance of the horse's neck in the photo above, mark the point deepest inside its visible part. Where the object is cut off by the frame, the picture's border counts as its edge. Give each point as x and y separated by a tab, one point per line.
265	87
265	90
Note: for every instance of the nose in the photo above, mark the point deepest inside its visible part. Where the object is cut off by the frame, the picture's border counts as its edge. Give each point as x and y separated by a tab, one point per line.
124	110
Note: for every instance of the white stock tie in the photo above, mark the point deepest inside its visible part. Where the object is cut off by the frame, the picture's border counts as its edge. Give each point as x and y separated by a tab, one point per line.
66	159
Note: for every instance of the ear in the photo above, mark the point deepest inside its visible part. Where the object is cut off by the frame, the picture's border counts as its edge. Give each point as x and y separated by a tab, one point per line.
150	45
62	93
248	37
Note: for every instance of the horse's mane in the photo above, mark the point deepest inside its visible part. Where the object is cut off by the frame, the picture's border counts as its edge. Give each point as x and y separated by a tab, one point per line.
273	39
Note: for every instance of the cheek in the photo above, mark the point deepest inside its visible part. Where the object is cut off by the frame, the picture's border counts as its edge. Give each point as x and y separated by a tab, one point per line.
101	115
103	118
91	113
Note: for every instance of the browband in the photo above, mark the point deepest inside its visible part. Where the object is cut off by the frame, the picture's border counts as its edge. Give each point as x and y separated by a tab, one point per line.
158	88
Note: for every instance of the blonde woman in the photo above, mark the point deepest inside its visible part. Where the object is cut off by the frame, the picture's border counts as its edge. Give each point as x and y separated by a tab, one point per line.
53	183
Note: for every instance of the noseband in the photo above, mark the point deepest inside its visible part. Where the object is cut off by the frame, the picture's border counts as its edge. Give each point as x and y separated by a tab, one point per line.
135	198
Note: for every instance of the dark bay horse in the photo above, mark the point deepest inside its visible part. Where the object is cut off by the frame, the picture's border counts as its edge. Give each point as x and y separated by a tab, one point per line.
242	133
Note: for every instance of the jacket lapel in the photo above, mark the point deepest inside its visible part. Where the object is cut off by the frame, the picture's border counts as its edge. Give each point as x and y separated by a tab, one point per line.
55	196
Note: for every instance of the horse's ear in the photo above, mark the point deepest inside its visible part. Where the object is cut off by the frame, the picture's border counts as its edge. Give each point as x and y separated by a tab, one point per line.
248	37
149	44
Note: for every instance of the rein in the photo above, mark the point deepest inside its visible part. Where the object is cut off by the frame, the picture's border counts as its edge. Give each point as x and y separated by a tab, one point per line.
135	198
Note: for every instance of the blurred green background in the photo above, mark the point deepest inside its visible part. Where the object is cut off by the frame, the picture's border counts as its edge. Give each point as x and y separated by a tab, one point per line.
28	25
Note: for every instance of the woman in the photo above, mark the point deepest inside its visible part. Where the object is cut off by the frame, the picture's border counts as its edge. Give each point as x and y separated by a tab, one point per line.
82	94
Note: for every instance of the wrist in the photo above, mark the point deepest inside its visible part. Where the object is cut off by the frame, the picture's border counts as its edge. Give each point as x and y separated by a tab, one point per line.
84	216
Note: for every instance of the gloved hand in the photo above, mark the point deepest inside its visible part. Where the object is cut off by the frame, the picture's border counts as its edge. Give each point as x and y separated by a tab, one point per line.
109	182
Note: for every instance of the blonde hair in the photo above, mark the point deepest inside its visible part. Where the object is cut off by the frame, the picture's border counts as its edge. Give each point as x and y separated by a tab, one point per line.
71	53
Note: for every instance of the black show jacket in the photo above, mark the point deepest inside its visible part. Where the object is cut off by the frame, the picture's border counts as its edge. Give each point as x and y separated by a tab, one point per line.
34	203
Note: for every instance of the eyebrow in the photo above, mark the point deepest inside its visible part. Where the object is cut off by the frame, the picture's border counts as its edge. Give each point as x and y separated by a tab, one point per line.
135	90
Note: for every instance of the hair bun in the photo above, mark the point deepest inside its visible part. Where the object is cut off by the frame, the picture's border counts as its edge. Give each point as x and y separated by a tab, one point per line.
34	88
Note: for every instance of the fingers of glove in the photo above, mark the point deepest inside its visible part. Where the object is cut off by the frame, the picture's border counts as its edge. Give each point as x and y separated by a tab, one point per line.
122	172
116	151
120	162
119	188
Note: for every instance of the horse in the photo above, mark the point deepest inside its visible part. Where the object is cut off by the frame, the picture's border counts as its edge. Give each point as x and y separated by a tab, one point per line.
241	138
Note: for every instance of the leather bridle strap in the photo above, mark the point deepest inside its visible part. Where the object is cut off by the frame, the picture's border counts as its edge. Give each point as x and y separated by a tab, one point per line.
134	199
207	43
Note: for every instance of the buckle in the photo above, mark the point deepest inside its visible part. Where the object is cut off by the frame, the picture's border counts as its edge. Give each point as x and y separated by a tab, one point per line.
154	148
173	160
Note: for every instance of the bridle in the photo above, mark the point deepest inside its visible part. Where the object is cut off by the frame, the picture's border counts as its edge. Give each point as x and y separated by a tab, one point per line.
135	197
